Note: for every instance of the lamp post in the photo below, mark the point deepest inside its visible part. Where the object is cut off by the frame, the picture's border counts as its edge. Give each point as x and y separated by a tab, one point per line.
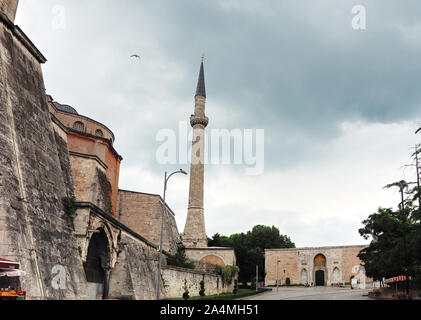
277	275
162	231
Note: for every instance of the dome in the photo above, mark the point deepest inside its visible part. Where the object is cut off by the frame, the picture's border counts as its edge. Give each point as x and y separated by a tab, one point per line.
64	108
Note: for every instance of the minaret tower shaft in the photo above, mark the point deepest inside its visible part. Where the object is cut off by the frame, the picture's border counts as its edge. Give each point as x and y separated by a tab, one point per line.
195	231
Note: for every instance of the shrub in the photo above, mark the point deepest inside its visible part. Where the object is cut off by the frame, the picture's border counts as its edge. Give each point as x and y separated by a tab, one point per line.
227	273
202	288
186	294
235	291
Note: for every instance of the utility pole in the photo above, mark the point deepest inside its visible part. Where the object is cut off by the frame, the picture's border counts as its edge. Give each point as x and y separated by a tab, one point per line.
277	275
401	189
418	176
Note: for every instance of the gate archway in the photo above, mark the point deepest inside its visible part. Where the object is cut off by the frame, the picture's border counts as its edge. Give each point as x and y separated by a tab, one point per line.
97	265
320	270
320	278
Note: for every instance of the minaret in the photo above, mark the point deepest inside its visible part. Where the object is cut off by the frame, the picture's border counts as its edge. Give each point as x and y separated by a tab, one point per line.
194	231
8	8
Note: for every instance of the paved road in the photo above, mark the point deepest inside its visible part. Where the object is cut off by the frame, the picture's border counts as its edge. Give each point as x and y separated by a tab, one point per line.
318	293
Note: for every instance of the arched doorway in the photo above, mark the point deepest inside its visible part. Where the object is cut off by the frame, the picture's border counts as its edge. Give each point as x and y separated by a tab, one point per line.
320	278
96	266
320	270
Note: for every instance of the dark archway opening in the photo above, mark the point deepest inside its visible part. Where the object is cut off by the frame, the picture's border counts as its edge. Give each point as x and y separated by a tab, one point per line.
320	278
96	266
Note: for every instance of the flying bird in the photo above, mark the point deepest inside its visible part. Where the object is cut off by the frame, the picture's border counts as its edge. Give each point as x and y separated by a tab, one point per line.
419	130
135	56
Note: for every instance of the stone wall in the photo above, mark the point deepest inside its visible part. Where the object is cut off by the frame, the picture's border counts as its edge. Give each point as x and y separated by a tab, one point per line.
8	7
142	213
176	278
134	275
298	264
34	229
63	154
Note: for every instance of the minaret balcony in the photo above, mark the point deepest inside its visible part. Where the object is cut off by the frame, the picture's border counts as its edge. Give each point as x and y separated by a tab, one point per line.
195	120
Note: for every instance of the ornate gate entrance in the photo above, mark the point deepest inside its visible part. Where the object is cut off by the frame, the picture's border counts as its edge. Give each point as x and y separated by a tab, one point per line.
320	270
320	278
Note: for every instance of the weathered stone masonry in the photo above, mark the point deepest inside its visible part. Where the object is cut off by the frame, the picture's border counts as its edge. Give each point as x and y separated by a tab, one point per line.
49	152
33	226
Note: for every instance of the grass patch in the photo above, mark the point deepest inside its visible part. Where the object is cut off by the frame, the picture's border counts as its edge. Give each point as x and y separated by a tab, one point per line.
223	296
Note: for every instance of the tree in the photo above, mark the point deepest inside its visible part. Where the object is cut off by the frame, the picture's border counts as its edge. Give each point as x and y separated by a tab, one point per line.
249	248
385	255
186	294
180	259
235	291
202	289
395	240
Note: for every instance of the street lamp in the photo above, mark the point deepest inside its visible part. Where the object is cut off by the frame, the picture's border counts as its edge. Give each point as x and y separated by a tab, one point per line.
277	275
162	231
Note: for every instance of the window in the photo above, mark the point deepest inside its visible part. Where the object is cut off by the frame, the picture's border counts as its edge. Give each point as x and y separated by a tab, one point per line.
99	133
79	126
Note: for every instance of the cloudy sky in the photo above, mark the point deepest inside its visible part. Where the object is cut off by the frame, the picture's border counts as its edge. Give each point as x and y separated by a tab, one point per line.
339	106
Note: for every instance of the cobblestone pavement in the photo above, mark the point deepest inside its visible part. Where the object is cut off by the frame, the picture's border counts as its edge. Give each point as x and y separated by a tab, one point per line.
318	293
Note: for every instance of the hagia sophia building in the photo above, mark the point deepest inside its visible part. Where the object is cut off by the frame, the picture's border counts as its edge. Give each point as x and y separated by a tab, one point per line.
106	244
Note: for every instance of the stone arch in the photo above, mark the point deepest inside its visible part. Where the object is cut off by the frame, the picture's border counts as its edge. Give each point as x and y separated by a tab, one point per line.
211	261
304	276
336	276
112	234
320	261
96	266
319	270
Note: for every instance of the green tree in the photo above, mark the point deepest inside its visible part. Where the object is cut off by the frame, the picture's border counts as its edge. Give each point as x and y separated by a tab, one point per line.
180	259
202	289
249	248
186	294
235	291
395	240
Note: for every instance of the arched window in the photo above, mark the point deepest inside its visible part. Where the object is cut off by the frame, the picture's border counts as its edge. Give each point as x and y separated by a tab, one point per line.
79	126
99	133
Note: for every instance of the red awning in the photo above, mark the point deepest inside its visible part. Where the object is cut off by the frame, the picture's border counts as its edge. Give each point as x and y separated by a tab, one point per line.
7	265
397	279
12	274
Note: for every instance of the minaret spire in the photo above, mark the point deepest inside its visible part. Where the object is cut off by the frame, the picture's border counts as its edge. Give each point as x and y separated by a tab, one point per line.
195	231
201	88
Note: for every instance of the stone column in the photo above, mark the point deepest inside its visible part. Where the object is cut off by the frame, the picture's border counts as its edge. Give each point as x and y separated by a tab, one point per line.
106	292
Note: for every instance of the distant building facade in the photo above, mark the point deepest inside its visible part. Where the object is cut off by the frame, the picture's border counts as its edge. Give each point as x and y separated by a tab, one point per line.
319	266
